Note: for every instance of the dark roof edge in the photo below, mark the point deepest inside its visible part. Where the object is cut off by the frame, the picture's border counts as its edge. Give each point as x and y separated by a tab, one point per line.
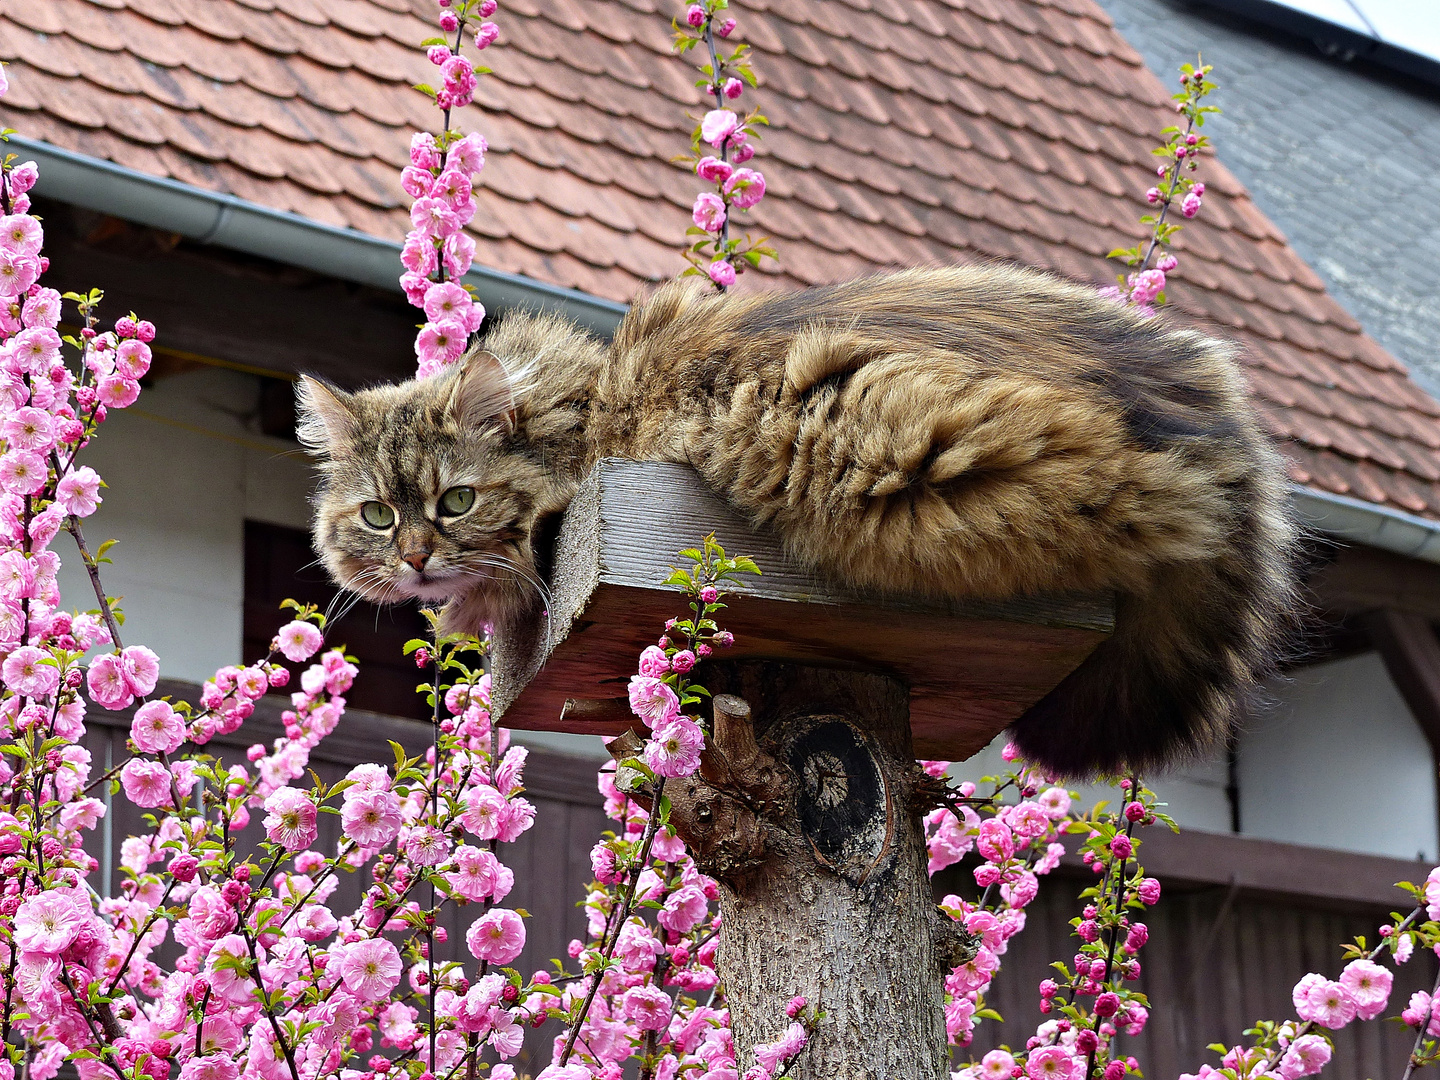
226	221
1333	39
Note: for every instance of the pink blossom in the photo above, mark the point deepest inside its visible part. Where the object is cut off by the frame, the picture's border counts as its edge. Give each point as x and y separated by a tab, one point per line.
1050	1063
652	700
468	154
26	672
1054	802
726	28
132	359
722	273
498	936
518	816
653	662
745	188
1369	985
157	728
17	272
674	747
78	492
484	811
713	169
47	923
997	1065
146	783
1190	205
486	34
427	846
116	391
995	841
434	217
371	818
458	252
478	875
449	302
1146	285
1148	891
107	682
299	641
21	234
210	1067
42	309
560	1072
771	1056
418	255
683	908
647	1007
24	176
695	15
370	969
441	342
28	429
718	125
22	472
1329	1004
142	669
1306	1056
708	212
291	819
732	88
1421	1010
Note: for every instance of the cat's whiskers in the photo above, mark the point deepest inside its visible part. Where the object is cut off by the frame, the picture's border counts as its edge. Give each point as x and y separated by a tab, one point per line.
530	578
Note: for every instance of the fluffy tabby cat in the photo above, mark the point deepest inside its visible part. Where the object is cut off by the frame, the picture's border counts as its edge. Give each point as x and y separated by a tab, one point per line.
970	432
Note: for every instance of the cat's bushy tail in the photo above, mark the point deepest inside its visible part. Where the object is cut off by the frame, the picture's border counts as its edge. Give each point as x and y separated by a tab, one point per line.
1188	654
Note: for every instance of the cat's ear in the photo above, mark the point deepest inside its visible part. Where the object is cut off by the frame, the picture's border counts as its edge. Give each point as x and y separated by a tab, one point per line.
482	393
324	417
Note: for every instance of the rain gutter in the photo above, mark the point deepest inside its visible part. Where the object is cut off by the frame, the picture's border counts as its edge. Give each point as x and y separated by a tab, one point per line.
226	221
1360	522
229	222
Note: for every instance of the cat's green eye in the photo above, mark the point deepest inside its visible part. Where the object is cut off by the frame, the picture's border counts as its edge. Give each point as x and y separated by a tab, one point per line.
457	500
377	515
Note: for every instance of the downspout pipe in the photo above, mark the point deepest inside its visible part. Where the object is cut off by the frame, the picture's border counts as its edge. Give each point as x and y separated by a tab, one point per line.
226	221
229	222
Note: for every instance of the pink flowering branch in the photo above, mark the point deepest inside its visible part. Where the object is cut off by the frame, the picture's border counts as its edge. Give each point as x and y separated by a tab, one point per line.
1144	285
715	253
659	694
440	178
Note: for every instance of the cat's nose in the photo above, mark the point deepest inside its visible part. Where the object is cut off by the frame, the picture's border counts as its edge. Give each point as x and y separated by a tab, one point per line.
417	559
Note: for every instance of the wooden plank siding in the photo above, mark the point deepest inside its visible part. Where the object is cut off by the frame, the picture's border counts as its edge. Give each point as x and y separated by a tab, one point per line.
1211	969
1239	922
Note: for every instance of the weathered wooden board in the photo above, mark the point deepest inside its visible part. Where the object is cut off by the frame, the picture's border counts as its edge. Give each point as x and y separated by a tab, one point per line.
972	667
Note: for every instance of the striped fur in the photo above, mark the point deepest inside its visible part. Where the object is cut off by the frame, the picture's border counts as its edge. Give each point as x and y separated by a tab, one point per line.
971	432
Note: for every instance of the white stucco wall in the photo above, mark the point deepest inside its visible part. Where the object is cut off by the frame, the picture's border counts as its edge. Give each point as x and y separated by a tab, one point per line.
1337	761
1340	763
184	472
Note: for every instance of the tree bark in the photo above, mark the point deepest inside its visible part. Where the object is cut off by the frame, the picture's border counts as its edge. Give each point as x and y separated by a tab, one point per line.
808	813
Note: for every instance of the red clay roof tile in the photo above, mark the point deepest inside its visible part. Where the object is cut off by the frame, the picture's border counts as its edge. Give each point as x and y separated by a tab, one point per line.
906	133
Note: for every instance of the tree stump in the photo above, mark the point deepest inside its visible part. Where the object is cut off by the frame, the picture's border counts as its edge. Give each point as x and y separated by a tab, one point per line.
808	812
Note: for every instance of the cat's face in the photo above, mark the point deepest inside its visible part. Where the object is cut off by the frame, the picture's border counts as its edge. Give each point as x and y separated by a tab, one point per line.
425	495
